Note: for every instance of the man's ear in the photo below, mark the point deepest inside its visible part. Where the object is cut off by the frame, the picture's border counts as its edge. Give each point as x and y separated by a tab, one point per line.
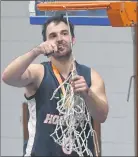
73	40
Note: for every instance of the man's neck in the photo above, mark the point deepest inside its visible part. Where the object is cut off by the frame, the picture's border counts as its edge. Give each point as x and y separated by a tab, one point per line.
64	66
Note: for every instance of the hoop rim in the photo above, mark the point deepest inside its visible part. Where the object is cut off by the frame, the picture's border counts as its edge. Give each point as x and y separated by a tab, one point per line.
83	5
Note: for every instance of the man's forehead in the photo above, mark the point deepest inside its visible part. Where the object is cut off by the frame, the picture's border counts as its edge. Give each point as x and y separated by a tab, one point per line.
54	27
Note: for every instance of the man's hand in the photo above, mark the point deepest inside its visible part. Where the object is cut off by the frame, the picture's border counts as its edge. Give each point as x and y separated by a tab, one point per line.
46	48
79	85
94	96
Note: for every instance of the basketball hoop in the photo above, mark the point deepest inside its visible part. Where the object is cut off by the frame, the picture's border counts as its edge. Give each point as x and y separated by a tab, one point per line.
76	113
120	13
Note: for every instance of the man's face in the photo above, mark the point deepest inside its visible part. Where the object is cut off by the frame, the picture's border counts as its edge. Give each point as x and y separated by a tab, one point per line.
59	34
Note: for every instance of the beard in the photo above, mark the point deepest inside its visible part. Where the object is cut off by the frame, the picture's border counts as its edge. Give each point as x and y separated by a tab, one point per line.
64	51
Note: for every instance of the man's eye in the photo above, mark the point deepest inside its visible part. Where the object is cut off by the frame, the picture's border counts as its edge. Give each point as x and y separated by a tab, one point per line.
53	36
65	33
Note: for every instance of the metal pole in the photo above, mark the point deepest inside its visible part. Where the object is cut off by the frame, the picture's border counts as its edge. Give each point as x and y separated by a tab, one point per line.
135	37
136	106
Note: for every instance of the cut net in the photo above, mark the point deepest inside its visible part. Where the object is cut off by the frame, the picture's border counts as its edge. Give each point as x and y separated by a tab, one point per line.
70	131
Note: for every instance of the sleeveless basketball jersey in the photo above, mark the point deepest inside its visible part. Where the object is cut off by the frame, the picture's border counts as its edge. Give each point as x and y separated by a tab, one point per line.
44	115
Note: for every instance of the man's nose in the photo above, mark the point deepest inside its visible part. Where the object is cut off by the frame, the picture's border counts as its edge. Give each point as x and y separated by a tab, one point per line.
59	38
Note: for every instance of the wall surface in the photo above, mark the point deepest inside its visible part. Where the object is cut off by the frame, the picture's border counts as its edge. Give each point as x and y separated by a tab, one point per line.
108	50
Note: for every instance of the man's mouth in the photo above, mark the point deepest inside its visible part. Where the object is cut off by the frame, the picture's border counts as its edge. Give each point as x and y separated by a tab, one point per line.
61	47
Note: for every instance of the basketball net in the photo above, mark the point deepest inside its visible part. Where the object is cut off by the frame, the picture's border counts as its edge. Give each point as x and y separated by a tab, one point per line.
70	132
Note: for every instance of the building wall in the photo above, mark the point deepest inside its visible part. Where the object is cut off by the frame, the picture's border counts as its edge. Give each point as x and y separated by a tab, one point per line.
108	50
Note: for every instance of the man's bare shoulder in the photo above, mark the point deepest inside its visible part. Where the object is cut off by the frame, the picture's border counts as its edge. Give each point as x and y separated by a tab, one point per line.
96	76
98	85
35	67
37	70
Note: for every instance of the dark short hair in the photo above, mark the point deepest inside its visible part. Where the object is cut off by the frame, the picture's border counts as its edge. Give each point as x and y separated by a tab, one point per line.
57	20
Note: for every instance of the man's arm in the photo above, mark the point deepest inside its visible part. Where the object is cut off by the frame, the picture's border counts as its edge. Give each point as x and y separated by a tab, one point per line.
96	99
20	72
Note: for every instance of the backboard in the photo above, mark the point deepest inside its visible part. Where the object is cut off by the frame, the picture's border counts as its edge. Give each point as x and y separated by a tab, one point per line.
89	17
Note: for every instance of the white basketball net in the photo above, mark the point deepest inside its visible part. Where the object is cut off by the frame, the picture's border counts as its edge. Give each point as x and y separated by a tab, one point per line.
70	131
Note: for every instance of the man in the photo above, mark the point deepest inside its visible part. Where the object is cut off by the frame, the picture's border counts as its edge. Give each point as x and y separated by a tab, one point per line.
40	81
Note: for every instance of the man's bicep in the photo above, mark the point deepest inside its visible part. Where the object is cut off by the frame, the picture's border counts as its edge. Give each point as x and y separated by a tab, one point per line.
26	78
29	76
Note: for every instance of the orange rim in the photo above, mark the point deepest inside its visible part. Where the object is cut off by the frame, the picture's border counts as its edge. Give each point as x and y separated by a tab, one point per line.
62	9
74	2
72	5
